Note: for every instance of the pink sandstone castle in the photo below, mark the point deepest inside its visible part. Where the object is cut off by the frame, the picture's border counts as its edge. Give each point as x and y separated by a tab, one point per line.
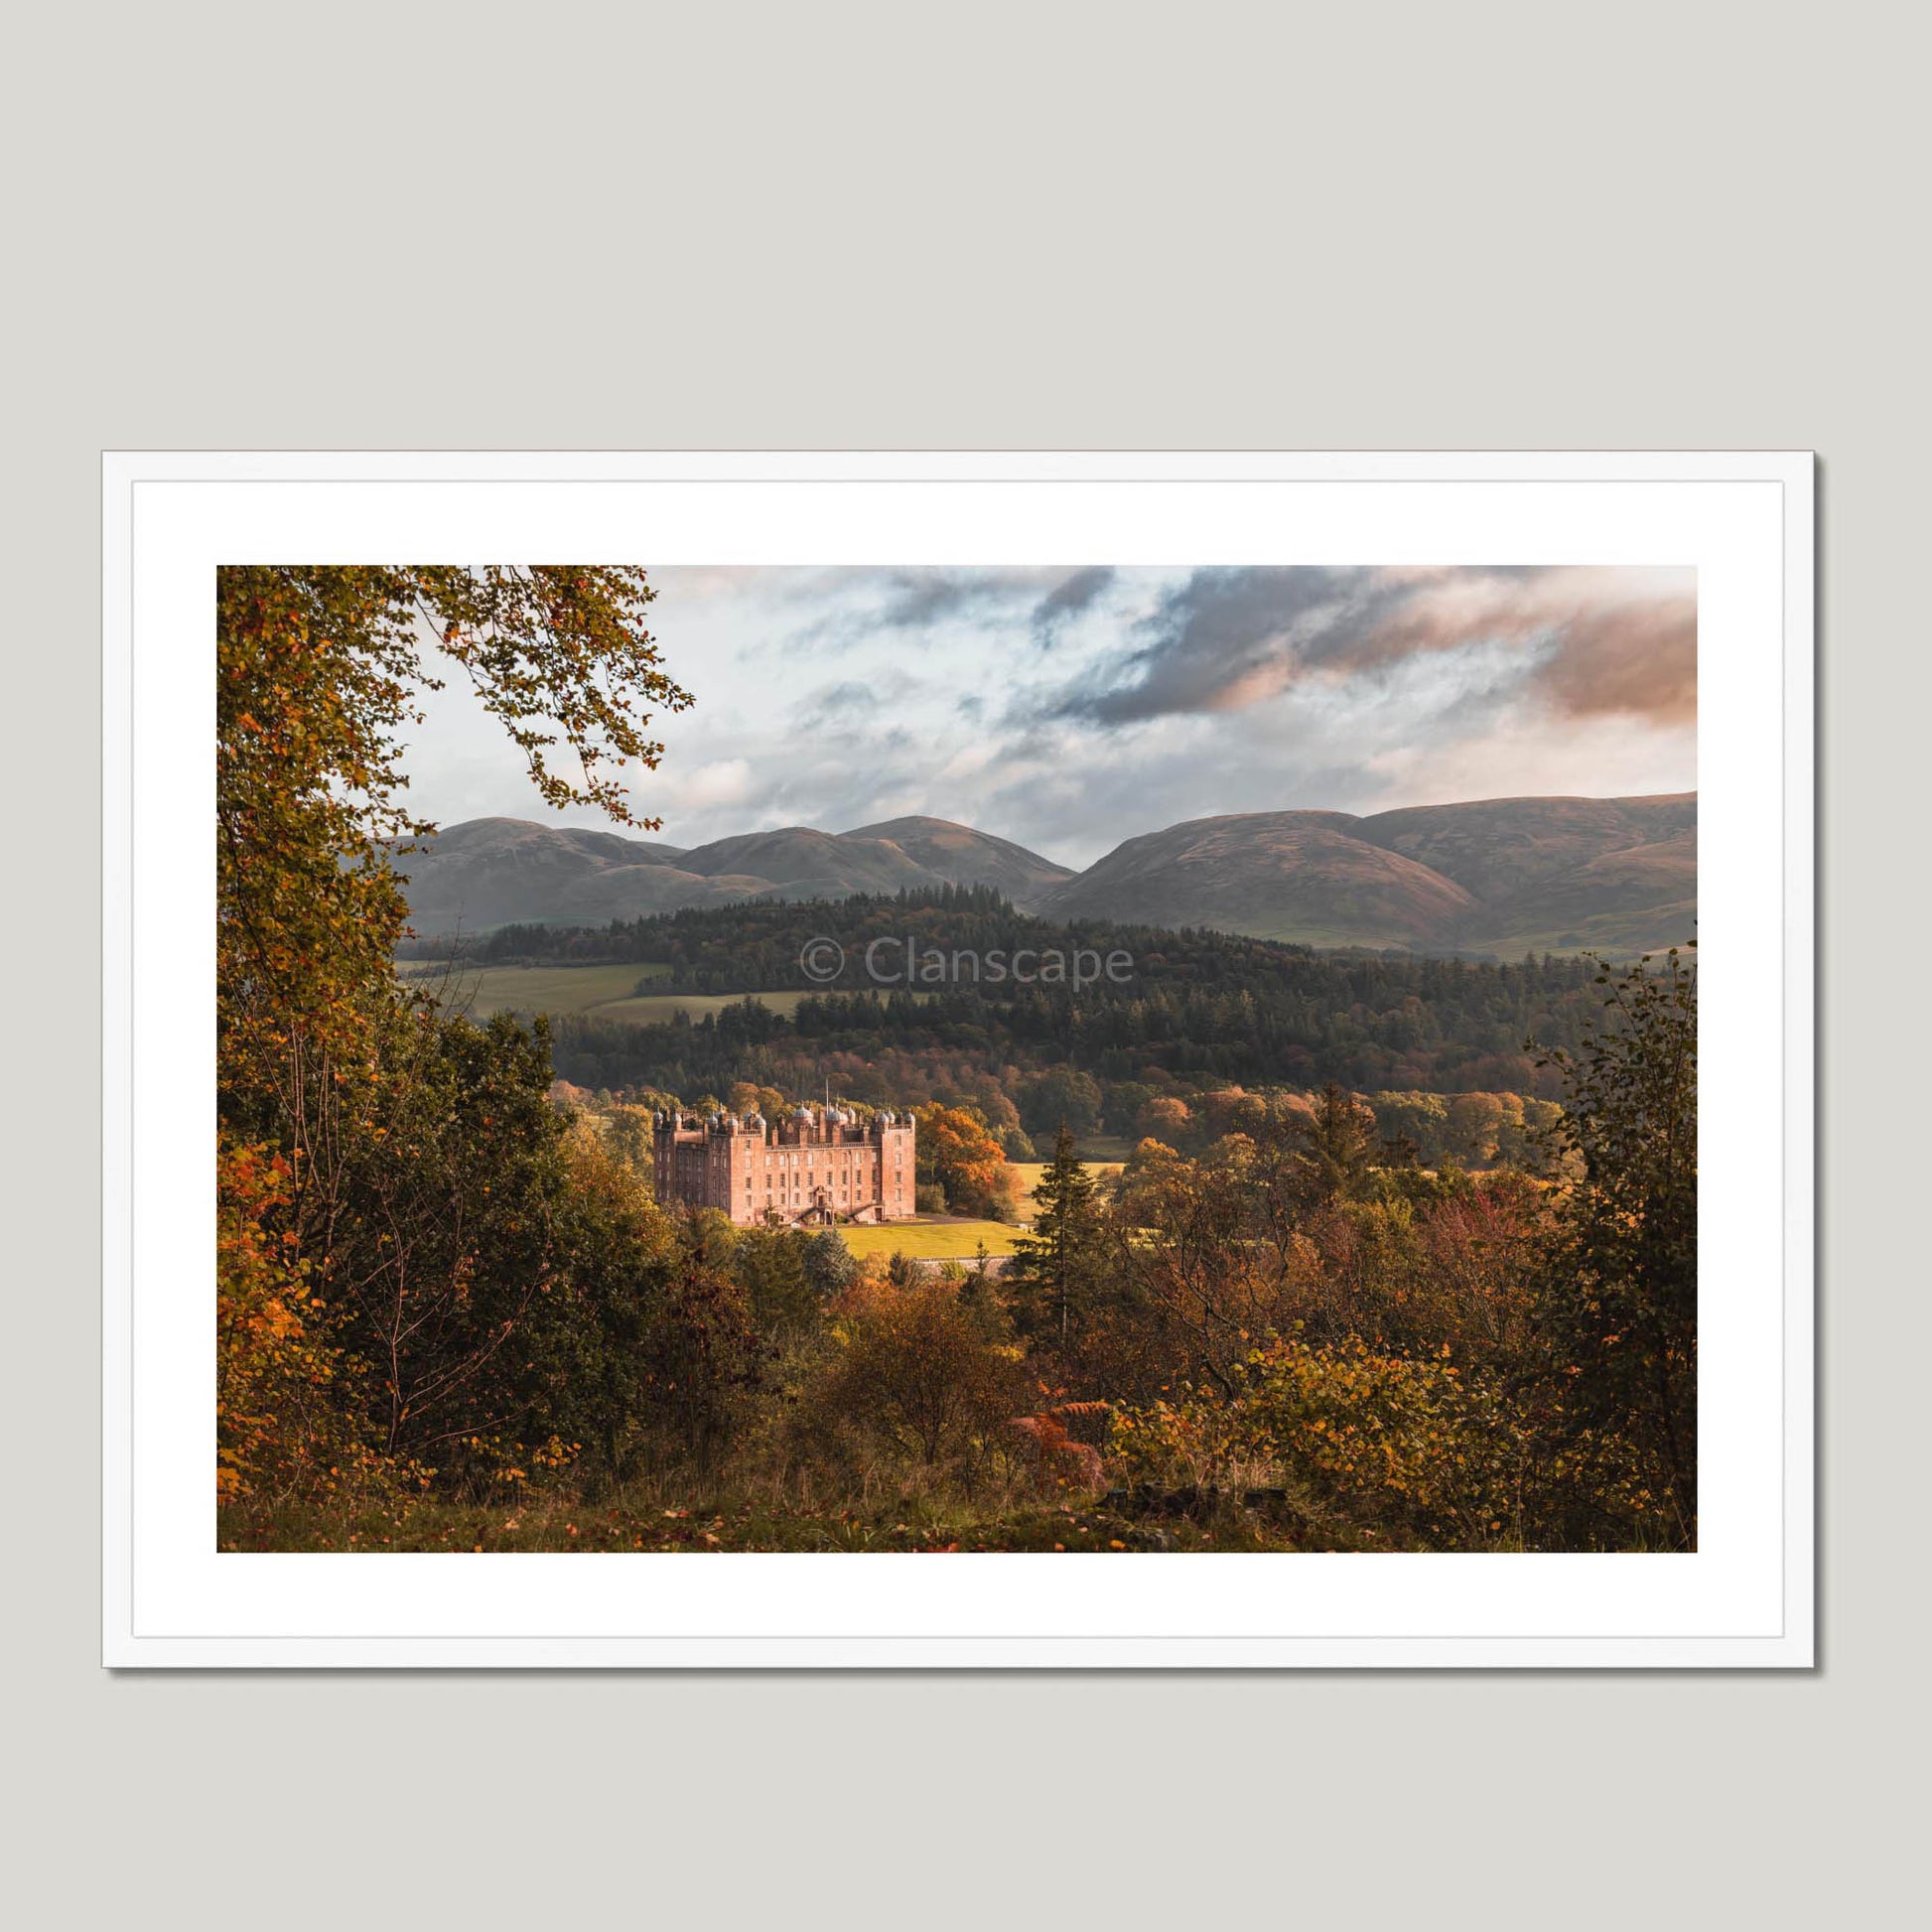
808	1171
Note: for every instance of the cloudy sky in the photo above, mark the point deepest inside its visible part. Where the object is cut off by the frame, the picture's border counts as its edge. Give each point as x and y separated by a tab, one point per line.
1069	709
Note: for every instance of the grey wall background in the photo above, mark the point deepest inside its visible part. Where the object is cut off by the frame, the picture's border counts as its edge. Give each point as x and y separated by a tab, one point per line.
1025	226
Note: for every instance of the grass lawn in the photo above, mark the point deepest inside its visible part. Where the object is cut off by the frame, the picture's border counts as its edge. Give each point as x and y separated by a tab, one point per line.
952	1238
1030	1172
938	1238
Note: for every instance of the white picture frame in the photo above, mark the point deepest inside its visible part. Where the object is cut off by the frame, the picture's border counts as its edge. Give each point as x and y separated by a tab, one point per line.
1746	1598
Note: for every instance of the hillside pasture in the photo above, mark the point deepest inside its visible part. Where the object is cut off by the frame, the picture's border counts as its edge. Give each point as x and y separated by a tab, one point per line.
609	991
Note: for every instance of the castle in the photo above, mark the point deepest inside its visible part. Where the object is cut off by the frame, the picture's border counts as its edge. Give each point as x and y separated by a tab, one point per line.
808	1171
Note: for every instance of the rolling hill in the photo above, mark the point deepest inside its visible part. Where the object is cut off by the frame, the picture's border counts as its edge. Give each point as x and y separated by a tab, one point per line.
1295	876
970	858
1500	847
490	872
1495	877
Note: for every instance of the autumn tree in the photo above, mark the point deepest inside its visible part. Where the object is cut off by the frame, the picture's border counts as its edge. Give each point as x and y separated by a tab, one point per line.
1188	1254
918	1369
1475	1121
283	1426
1166	1118
956	1151
421	1188
318	672
1618	1294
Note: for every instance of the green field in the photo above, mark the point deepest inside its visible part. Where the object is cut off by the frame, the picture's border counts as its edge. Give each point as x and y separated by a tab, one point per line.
930	1240
609	991
947	1238
1030	1172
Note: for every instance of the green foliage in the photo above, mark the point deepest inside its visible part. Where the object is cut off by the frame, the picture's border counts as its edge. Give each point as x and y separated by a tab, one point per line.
1055	1269
703	1359
318	672
1063	1096
829	1265
771	1266
430	1260
1200	1010
1335	1152
958	1153
917	1371
1618	1298
1404	1452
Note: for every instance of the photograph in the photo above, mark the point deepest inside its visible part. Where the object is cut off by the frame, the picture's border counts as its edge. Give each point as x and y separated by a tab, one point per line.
1091	1057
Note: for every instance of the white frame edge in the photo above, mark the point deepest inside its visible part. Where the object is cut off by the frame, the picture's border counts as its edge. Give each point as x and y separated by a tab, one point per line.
1795	1647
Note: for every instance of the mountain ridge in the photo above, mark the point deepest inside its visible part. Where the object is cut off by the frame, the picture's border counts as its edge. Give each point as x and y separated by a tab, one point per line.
1485	876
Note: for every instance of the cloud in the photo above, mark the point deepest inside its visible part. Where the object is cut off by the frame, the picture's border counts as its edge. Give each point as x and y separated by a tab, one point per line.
1638	659
917	598
1069	599
723	782
1598	640
1586	640
1221	640
838	704
854	605
1071	708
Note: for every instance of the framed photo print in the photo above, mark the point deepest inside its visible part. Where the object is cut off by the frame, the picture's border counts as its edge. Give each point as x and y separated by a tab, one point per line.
979	1059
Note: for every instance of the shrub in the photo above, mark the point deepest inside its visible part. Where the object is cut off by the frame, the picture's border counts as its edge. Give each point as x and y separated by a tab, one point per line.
918	1372
1408	1447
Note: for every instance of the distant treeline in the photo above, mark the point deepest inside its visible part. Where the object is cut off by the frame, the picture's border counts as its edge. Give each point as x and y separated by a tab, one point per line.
1198	1009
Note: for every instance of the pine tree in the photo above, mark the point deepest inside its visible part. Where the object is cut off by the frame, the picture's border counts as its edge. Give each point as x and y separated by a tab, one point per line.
1051	1265
1338	1147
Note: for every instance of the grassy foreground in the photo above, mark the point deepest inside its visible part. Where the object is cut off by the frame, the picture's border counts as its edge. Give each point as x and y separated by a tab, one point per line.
910	1525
